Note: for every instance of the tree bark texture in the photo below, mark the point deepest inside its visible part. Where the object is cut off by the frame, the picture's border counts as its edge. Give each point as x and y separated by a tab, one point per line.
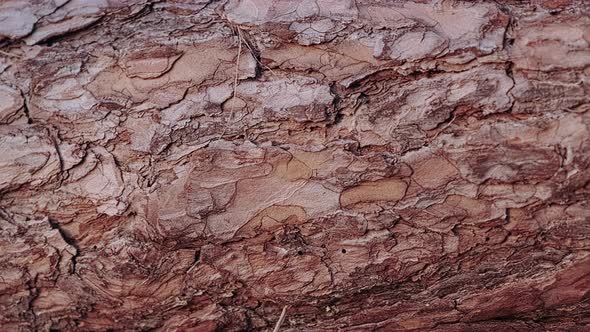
372	165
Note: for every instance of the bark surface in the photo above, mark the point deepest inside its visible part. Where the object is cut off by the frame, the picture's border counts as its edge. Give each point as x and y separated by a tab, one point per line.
373	165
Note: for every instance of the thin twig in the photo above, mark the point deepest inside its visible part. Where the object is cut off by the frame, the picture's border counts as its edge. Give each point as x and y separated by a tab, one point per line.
443	128
255	57
236	76
238	62
10	54
281	319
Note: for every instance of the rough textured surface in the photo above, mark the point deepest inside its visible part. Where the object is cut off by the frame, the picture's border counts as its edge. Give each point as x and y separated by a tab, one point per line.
374	165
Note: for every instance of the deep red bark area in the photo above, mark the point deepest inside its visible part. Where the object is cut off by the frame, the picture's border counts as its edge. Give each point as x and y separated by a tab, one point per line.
374	165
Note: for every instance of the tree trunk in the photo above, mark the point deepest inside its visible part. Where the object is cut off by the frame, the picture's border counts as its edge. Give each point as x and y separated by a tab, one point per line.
369	165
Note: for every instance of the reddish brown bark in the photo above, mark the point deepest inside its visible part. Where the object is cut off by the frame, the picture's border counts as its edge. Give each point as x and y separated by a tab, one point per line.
372	165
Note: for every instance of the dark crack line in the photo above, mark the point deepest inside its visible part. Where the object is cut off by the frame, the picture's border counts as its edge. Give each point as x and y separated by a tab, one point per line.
69	240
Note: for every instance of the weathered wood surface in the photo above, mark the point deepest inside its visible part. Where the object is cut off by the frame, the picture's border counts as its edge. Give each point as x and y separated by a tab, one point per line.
374	165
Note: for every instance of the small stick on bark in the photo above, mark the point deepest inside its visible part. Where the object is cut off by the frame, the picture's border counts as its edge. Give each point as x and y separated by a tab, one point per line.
10	54
238	62
236	76
254	55
281	319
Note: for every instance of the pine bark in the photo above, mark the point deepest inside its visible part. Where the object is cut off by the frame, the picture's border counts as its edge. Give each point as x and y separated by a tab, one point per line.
370	165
